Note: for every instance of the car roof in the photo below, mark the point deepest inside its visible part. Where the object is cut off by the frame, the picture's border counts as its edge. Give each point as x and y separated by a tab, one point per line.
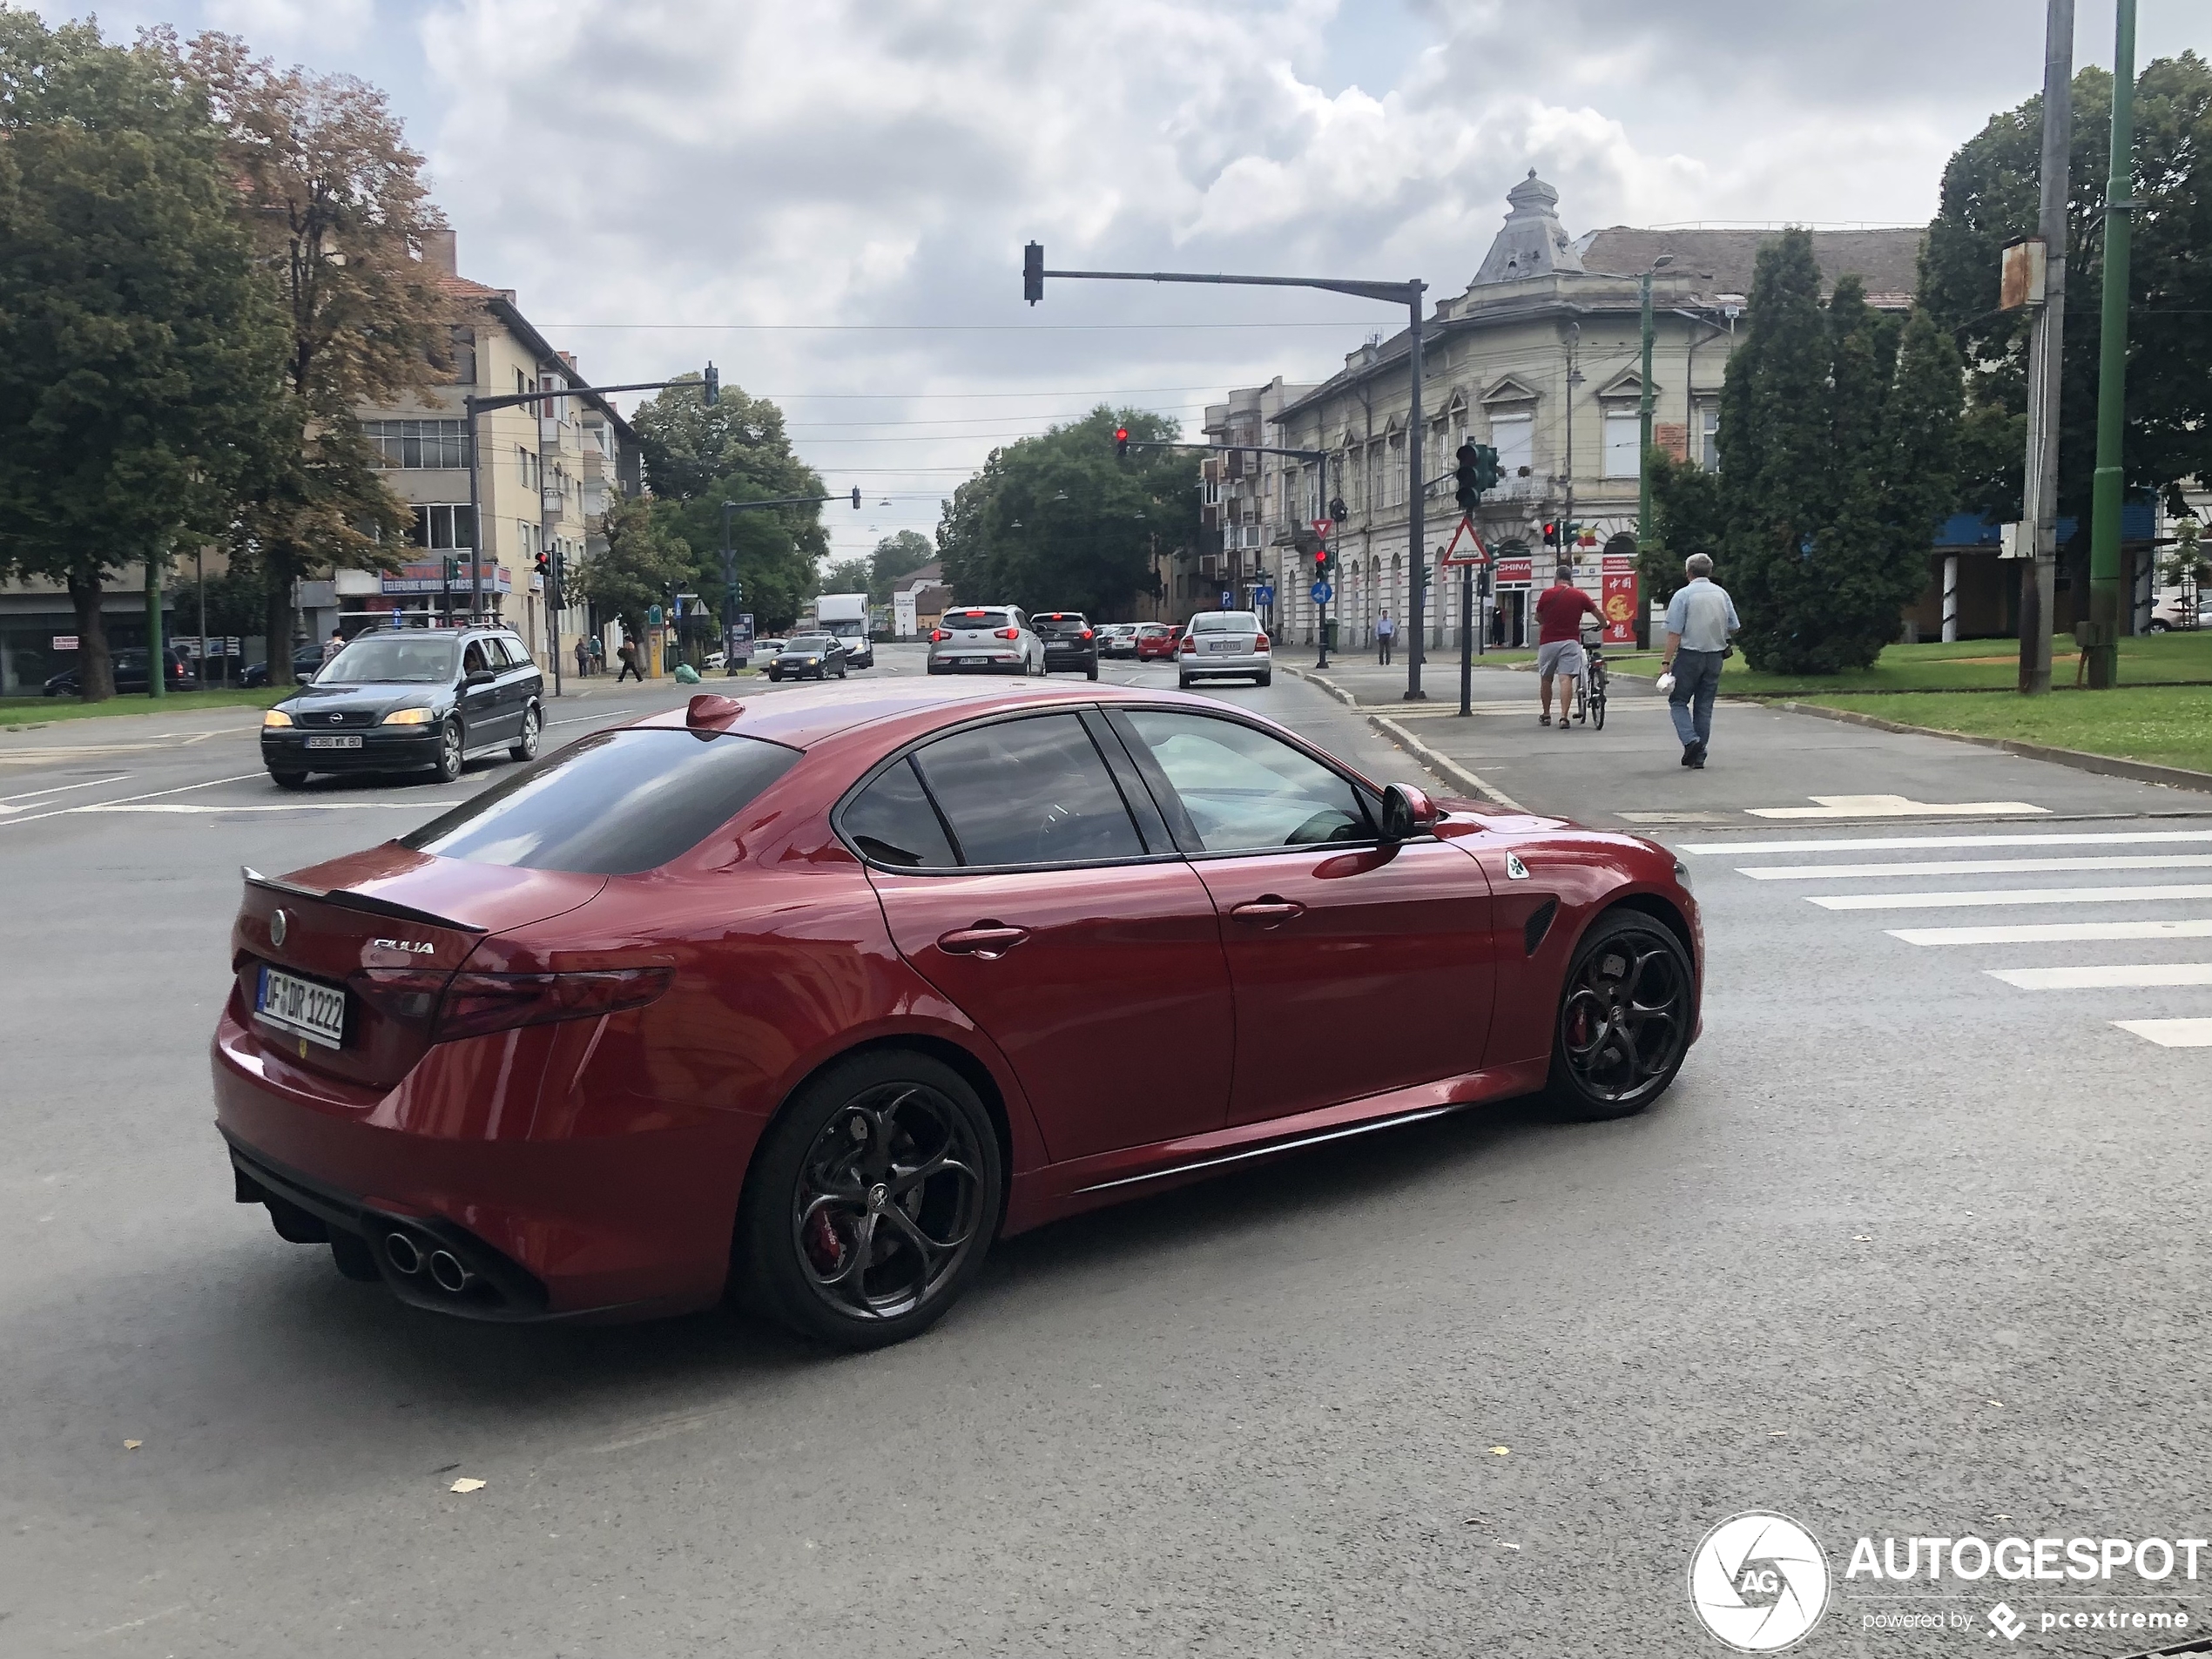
806	716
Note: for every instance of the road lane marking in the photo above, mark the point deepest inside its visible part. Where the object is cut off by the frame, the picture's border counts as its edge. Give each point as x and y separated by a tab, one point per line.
1925	843
58	789
2139	976
2053	933
2003	896
2171	1034
1974	866
152	794
1892	807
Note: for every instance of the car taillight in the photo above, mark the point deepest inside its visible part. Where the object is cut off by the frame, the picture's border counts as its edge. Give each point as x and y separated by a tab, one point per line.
1087	633
1259	642
469	1005
937	634
1008	633
1189	644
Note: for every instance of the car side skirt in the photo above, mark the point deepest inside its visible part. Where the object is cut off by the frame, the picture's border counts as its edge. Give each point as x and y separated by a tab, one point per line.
1068	1188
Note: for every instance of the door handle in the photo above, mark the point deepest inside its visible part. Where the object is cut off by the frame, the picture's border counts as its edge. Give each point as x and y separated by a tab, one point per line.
989	939
1268	911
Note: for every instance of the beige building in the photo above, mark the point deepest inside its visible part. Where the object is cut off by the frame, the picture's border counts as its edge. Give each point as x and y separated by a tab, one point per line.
546	473
1539	357
1249	505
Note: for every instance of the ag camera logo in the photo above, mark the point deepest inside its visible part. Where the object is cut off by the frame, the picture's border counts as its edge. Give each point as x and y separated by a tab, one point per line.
1758	1581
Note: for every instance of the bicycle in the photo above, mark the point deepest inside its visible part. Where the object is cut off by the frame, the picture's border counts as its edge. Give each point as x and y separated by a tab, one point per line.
1590	684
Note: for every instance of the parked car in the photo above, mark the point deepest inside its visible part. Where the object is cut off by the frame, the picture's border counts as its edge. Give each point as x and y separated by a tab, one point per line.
129	667
1155	642
306	662
1117	639
766	651
404	700
995	639
803	1000
1070	643
809	656
1224	642
2178	616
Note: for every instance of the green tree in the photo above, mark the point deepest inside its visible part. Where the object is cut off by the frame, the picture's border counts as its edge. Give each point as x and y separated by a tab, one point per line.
336	203
895	557
847	575
137	355
1839	444
1990	196
1055	523
642	559
1687	516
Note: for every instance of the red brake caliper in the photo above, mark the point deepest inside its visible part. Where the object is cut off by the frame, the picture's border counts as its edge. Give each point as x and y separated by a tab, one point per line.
829	1249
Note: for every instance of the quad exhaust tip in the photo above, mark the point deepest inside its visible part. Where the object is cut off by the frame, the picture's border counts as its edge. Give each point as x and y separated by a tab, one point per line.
450	1273
401	1251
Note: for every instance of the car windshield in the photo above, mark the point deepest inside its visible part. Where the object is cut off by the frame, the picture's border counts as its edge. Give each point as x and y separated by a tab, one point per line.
391	658
810	641
1226	621
976	619
614	803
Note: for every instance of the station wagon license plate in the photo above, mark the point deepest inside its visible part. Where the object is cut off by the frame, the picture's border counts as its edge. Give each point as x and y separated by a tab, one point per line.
349	742
302	1006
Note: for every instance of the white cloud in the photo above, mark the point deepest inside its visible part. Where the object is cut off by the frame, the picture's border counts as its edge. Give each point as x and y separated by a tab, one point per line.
283	26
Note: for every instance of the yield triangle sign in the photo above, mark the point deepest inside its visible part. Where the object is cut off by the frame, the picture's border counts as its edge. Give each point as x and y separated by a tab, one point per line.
1323	526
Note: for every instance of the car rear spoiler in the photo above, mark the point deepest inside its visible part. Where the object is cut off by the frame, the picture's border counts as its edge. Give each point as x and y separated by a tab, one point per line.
366	902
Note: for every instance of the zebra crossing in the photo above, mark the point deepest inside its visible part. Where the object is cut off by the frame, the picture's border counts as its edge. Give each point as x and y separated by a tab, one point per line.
2029	956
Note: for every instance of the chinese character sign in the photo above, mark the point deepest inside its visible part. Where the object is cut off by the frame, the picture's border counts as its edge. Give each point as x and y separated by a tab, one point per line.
1619	604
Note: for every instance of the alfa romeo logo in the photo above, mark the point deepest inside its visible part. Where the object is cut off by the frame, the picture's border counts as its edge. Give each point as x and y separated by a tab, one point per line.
278	923
1760	1582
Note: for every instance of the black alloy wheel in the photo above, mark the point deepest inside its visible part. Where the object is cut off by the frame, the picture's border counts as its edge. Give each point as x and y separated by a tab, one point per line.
1624	1018
525	747
873	1200
451	751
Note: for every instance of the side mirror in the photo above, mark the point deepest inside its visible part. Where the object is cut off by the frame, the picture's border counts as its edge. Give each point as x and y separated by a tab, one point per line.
481	676
1406	813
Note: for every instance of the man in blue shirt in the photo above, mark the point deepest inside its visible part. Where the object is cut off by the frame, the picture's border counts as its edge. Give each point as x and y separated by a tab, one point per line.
1700	618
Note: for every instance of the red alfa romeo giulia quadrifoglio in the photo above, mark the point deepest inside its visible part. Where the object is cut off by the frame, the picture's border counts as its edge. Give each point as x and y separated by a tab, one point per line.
807	999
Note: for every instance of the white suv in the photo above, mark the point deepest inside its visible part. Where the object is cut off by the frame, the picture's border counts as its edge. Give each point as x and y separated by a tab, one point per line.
992	639
1224	642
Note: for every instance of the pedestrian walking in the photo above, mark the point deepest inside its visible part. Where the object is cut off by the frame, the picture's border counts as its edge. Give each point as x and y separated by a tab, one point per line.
1700	618
333	645
1559	610
1385	636
627	654
582	657
598	655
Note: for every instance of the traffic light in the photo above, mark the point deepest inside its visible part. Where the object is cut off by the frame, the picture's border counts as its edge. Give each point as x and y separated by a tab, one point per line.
713	385
736	593
1121	434
1551	534
856	498
1321	559
1033	272
543	564
1485	467
1469	494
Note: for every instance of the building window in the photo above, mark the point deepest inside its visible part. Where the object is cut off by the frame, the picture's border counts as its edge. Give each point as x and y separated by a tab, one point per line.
419	443
444	527
1709	434
1623	443
1514	436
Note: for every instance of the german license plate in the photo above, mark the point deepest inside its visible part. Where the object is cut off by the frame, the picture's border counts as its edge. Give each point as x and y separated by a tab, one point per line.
315	1012
350	742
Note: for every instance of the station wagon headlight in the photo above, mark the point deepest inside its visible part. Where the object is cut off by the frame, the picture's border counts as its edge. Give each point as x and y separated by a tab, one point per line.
408	716
814	661
276	717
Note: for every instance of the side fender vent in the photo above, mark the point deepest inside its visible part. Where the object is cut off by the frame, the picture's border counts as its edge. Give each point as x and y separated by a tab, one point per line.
1539	924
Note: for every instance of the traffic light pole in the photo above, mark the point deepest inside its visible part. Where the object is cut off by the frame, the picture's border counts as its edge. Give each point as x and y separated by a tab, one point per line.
2108	496
1406	293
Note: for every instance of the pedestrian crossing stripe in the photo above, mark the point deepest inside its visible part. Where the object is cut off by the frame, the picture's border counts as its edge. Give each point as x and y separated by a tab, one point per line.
1895	806
2171	1034
2055	933
2138	976
1931	843
1975	866
2004	896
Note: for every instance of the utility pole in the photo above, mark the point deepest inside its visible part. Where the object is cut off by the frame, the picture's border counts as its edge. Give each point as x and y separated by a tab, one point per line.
1644	542
2107	492
2040	503
157	664
1407	294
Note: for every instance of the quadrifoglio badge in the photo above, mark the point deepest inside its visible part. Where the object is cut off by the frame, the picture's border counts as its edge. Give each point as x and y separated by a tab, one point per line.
1760	1582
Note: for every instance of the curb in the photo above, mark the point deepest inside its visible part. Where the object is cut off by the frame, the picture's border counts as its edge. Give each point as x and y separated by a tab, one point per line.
2141	772
1442	765
1327	684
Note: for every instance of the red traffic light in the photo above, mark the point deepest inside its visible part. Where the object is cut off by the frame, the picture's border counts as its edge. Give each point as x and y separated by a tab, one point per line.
1551	535
1121	443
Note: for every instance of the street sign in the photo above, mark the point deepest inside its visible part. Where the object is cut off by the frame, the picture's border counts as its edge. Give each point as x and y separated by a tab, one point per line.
64	642
1323	526
1516	572
1264	594
1228	600
1322	593
1620	607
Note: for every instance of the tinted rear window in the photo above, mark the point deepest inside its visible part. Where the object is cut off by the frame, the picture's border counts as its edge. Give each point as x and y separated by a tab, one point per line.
1226	621
612	803
1061	627
976	619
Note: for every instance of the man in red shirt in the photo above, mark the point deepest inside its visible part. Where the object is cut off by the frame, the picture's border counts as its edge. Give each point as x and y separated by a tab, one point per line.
1559	610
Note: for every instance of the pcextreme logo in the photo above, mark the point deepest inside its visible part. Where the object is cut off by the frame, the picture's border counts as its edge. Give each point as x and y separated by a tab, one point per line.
1760	1582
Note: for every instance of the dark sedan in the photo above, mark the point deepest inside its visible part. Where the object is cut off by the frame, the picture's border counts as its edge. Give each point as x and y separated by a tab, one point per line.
306	662
130	668
407	700
809	656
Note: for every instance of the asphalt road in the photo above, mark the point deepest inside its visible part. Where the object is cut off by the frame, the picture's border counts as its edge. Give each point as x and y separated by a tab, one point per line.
1911	1248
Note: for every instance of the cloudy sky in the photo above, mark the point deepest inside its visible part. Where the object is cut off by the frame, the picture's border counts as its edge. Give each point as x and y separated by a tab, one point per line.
829	197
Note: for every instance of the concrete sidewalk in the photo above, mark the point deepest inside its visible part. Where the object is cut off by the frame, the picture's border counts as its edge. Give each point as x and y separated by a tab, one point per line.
1768	768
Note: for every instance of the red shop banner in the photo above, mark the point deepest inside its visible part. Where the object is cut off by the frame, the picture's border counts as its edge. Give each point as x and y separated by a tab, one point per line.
1620	607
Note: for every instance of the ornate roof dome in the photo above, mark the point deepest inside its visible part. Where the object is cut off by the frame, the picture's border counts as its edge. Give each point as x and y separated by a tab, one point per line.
1532	242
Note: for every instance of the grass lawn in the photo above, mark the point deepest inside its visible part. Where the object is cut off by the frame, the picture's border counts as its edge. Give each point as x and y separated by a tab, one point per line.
19	712
2169	726
1969	665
